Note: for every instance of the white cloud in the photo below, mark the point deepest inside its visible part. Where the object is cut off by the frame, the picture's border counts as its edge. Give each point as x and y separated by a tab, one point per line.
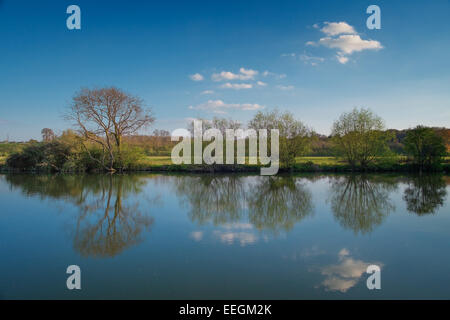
244	238
344	38
196	77
261	84
248	73
244	74
345	274
285	88
218	106
237	86
349	43
278	76
336	28
342	59
314	61
288	54
207	92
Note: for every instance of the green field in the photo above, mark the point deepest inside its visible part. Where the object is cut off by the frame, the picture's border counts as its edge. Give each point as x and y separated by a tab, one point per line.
165	160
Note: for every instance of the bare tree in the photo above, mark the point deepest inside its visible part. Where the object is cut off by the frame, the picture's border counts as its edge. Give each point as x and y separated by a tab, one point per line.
104	116
47	135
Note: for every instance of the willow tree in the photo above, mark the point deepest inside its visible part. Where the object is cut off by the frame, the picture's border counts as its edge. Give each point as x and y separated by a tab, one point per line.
295	137
360	137
104	116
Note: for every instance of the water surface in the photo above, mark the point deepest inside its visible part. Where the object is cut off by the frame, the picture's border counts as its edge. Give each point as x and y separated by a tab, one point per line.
159	236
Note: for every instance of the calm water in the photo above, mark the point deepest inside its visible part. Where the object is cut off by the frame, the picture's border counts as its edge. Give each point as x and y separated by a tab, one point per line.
161	236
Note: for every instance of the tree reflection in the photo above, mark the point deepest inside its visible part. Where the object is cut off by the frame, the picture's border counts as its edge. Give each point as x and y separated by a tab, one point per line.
270	203
216	198
106	223
425	194
360	202
278	202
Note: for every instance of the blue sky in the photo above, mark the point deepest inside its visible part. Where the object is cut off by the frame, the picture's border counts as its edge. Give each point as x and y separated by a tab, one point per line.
251	55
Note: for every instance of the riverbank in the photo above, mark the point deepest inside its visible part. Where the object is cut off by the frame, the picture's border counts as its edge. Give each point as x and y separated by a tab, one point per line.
303	165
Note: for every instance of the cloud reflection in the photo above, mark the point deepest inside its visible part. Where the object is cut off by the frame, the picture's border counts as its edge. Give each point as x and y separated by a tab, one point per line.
345	274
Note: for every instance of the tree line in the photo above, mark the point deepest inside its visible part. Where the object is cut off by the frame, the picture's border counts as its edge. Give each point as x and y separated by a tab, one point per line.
107	123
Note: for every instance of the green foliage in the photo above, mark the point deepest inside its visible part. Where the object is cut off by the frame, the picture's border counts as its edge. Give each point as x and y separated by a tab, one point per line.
48	156
425	147
295	137
130	156
359	137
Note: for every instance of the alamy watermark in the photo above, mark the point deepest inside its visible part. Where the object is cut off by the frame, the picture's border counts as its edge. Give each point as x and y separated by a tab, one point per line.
213	152
374	280
74	280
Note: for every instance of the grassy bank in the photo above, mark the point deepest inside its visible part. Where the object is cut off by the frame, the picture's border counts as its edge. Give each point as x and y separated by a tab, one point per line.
303	164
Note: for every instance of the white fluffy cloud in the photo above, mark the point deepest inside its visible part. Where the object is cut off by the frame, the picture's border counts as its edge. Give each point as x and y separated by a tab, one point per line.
336	28
349	43
342	59
207	92
237	86
344	38
244	74
345	274
218	106
196	77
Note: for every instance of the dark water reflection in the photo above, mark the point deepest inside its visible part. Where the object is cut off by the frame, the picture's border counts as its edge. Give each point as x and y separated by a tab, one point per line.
360	202
269	203
104	224
425	194
329	223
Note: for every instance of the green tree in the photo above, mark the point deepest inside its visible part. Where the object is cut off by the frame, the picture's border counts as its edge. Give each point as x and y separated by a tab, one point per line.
47	135
359	137
295	137
425	147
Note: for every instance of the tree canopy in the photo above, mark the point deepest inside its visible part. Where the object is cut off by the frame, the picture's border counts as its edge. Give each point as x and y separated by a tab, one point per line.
359	137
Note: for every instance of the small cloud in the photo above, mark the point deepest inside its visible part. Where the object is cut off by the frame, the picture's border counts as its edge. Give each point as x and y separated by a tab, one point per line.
311	60
261	84
288	55
336	28
342	59
244	74
344	252
243	238
196	77
345	274
285	88
220	107
272	74
237	86
207	92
